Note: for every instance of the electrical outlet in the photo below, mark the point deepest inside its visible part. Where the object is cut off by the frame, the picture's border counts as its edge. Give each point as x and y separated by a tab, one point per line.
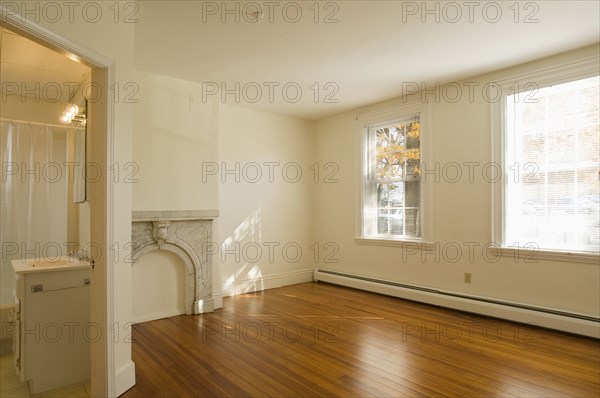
467	277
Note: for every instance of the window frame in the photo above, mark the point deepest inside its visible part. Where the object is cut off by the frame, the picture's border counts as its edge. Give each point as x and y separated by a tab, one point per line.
565	72
383	117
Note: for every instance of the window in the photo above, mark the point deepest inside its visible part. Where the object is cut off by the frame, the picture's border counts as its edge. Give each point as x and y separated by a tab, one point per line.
551	164
392	198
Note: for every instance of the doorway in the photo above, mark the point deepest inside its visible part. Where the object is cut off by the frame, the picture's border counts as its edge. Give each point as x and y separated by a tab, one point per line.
99	195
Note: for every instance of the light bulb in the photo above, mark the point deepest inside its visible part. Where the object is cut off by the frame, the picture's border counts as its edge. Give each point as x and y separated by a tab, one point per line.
65	118
74	109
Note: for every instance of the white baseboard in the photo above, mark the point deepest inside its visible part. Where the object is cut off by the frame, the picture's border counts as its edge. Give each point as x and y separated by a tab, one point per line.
218	299
268	282
157	315
531	316
124	378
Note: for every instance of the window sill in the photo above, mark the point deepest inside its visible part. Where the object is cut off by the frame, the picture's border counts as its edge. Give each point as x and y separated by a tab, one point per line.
395	243
533	256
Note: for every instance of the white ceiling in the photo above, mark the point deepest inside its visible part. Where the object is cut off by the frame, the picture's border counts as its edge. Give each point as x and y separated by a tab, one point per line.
367	54
45	74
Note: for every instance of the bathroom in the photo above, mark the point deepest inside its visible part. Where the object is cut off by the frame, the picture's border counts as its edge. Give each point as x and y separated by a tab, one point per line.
43	147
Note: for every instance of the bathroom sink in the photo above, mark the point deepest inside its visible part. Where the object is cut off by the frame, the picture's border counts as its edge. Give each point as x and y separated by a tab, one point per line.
60	263
55	263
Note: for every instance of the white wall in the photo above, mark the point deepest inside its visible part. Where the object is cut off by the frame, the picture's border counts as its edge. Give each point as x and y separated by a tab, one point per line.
183	147
183	152
115	41
461	213
28	109
255	213
175	134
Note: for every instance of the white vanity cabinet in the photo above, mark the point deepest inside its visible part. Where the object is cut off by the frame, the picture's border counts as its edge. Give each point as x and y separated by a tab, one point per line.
52	319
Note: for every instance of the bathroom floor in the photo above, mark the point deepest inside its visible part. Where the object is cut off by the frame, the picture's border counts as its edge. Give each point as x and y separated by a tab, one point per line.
11	387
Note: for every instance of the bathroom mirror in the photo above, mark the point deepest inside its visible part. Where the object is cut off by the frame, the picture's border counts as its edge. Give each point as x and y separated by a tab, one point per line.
79	155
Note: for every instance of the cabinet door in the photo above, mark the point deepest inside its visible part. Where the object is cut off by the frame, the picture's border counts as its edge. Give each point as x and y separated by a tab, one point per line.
56	329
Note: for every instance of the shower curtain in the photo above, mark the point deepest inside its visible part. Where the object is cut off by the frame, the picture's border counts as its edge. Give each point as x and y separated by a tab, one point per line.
33	195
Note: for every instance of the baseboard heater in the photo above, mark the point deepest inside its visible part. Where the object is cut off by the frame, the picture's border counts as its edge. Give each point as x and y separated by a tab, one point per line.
539	316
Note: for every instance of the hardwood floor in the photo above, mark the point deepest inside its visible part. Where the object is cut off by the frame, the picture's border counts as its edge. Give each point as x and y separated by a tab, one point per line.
313	340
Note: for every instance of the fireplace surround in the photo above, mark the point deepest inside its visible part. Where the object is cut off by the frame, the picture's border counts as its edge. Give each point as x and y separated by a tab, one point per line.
188	234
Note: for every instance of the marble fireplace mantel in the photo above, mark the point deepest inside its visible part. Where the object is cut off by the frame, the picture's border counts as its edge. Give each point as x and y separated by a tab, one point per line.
186	233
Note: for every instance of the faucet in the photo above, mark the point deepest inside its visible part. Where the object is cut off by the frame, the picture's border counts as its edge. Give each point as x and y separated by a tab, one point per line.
81	255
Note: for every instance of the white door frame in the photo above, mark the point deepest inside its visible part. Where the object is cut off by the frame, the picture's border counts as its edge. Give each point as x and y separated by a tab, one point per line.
103	366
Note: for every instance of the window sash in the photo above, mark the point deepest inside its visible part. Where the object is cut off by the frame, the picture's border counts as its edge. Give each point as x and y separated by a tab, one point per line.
513	218
372	209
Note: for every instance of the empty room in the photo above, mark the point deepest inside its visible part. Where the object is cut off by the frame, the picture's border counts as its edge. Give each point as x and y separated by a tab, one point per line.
300	198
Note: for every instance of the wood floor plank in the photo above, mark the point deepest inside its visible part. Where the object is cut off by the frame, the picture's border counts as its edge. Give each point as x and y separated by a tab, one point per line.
322	340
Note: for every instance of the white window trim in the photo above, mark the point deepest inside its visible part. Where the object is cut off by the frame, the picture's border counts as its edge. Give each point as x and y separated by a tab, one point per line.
389	115
581	68
526	255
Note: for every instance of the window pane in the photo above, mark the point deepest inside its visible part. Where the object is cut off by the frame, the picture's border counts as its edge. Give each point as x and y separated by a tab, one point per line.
382	138
590	150
554	143
413	150
412	196
413	135
412	222
383	195
396	186
383	222
397	197
398	136
397	222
